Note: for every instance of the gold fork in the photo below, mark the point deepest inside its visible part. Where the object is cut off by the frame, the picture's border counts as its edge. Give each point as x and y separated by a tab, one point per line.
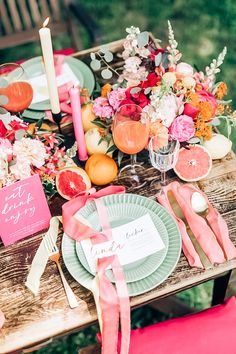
54	255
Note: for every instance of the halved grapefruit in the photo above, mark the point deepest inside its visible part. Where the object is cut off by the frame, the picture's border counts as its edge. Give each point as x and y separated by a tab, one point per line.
71	181
193	164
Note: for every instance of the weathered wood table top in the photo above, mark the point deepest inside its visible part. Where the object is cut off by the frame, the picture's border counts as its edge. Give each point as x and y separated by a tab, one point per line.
32	319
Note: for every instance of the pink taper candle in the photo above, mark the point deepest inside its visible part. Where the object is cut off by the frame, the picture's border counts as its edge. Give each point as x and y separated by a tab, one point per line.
77	123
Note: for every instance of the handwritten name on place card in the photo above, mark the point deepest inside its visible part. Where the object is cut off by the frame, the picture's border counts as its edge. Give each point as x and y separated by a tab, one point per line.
131	242
23	210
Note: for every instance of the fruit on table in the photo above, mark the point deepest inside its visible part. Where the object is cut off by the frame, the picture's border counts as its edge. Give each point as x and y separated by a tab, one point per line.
101	169
72	180
92	139
193	164
32	127
218	146
88	116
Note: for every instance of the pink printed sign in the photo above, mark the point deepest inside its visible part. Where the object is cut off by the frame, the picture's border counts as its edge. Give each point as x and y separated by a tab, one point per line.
23	210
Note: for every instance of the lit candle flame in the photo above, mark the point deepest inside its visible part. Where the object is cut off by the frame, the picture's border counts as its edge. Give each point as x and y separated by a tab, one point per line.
46	22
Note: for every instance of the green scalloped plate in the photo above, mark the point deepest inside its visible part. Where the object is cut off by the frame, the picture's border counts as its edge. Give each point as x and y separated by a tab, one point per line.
130	205
119	214
33	67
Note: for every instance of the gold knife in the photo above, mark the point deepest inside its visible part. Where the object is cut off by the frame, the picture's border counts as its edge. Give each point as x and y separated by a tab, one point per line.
178	212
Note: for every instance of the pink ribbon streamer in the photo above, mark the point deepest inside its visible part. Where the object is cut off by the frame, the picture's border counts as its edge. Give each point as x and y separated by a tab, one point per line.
2	319
112	300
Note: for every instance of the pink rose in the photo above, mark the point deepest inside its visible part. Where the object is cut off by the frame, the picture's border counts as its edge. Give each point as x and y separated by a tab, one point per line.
115	97
182	128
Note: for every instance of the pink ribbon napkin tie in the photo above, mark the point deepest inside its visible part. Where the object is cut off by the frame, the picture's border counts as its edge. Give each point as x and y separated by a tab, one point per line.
114	301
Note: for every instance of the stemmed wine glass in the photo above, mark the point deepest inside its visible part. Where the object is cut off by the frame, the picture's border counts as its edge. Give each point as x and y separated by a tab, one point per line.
130	133
163	158
16	93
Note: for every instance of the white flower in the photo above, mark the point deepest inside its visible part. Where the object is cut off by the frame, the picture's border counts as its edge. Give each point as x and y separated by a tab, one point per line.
132	64
21	169
184	69
31	151
132	30
167	109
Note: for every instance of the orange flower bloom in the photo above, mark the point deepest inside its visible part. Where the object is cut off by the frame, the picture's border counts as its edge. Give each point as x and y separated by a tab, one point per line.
193	98
220	109
203	130
105	90
206	110
221	90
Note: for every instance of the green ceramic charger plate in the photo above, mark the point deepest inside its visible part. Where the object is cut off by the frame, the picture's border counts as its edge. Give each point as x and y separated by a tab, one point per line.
33	68
83	277
121	212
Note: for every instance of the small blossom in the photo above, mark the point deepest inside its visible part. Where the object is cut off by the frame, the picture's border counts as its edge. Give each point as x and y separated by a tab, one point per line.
102	108
115	97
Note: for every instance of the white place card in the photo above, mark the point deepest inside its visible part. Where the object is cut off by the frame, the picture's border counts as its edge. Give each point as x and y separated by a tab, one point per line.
131	242
39	83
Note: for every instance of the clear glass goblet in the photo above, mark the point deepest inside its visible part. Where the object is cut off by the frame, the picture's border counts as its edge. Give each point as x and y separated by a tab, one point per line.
163	158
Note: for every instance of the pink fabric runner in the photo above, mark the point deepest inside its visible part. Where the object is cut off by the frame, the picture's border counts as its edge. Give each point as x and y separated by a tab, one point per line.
112	301
217	245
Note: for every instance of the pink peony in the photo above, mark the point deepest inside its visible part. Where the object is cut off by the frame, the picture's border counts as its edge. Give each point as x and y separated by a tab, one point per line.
115	97
102	108
182	128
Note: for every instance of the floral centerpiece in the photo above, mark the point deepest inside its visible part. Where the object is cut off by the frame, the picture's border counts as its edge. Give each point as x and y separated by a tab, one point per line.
24	152
178	100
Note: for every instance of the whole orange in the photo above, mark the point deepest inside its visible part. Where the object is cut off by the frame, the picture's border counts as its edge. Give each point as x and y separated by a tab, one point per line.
101	169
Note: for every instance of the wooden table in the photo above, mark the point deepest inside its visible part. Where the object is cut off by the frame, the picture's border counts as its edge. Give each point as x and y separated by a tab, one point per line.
33	319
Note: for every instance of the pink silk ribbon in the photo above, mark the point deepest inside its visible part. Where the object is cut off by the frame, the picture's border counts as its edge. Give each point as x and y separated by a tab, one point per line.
112	301
214	240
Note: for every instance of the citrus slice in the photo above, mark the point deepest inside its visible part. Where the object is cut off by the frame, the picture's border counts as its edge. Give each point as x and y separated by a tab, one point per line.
71	181
193	164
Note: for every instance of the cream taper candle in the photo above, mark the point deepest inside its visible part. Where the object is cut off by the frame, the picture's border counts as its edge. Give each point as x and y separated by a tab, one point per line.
46	44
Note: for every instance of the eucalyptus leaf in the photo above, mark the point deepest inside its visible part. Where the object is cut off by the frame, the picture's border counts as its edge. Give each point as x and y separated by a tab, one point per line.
104	48
215	122
158	59
95	64
135	90
165	60
3	99
19	134
147	90
3	83
106	74
6	119
108	56
111	149
143	39
120	157
92	56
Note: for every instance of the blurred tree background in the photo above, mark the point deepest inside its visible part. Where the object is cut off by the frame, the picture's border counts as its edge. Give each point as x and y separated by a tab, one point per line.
202	28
